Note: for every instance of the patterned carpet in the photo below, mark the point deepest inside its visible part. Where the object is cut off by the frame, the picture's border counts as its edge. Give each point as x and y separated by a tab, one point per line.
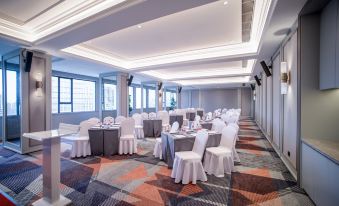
260	179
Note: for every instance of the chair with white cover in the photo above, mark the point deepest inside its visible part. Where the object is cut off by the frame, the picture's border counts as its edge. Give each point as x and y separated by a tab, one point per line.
144	115
224	117
69	127
157	152
80	142
223	111
128	142
197	118
108	120
119	119
235	154
219	160
94	120
218	125
209	116
164	116
152	115
187	166
139	131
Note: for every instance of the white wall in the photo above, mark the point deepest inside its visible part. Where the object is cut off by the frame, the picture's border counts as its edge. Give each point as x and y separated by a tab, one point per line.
276	102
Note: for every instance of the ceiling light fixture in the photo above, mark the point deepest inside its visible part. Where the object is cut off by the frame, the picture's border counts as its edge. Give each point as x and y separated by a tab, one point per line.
139	26
225	2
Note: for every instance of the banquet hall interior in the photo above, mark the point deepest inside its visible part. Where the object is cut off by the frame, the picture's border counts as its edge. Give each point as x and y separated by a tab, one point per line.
169	102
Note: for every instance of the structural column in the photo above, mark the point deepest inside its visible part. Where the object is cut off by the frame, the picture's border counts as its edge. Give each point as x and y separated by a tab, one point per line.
158	97
122	94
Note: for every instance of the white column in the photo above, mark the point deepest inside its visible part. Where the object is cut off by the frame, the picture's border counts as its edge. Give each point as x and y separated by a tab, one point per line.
122	94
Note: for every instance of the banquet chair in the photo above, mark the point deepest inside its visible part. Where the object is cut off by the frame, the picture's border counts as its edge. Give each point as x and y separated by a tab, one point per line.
187	166
119	119
197	118
69	127
94	120
209	116
223	111
80	142
144	115
127	142
235	154
157	152
139	130
152	115
219	160
164	116
224	117
108	120
218	125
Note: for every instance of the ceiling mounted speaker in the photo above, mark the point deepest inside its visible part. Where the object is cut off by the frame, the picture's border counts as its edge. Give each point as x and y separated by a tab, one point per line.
160	86
179	89
28	61
266	68
253	87
130	80
257	80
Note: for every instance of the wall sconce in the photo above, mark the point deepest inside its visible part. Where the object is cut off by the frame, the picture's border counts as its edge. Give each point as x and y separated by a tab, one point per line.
285	77
39	84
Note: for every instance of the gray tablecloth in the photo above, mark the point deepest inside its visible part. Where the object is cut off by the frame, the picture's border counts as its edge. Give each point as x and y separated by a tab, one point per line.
176	118
171	144
104	141
200	113
152	127
190	116
206	125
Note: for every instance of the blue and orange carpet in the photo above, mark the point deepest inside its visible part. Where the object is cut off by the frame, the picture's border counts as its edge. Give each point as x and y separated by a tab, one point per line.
260	178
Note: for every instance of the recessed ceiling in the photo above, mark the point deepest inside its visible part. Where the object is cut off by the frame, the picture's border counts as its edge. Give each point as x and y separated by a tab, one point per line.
213	81
210	25
22	11
233	68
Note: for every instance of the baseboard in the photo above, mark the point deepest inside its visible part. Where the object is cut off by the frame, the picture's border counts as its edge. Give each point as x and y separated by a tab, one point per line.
280	154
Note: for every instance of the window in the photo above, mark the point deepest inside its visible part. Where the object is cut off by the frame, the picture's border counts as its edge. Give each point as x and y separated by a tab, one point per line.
55	94
151	98
144	100
131	96
138	98
12	103
72	95
83	95
1	107
168	99
110	91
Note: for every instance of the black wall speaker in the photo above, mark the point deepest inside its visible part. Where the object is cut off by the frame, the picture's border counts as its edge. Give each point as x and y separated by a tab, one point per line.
179	89
257	80
159	85
253	86
129	80
266	68
28	61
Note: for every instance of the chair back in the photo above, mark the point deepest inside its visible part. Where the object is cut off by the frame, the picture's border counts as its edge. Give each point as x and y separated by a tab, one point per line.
84	127
228	137
209	116
235	126
218	125
152	115
175	127
232	119
164	116
144	115
108	120
69	127
223	111
171	112
94	120
224	117
119	119
197	118
137	118
200	142
195	124
127	126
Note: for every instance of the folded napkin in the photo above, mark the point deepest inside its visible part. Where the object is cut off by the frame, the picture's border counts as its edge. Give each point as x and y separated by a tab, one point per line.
179	135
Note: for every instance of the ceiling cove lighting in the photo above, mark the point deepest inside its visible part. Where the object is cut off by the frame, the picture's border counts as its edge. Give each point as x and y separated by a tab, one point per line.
285	77
212	81
262	12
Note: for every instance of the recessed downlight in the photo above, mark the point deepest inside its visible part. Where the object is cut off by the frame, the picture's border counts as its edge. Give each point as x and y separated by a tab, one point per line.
225	2
139	26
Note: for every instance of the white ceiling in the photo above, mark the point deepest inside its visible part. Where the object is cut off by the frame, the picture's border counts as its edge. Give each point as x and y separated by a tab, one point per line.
211	25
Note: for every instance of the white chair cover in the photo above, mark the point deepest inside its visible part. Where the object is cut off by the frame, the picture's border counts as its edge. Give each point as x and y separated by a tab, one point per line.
175	127
219	160
235	153
119	119
152	115
209	116
69	127
94	120
144	115
164	116
108	120
187	166
223	111
80	142
218	125
139	131
128	142
197	118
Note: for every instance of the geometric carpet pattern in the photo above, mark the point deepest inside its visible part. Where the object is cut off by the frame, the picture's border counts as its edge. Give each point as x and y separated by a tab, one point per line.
140	179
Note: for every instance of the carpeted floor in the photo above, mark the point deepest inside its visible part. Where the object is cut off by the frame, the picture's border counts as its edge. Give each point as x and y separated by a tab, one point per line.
260	179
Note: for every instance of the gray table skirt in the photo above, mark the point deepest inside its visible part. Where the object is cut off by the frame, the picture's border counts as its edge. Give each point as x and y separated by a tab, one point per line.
171	145
104	141
207	125
190	116
176	118
152	127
